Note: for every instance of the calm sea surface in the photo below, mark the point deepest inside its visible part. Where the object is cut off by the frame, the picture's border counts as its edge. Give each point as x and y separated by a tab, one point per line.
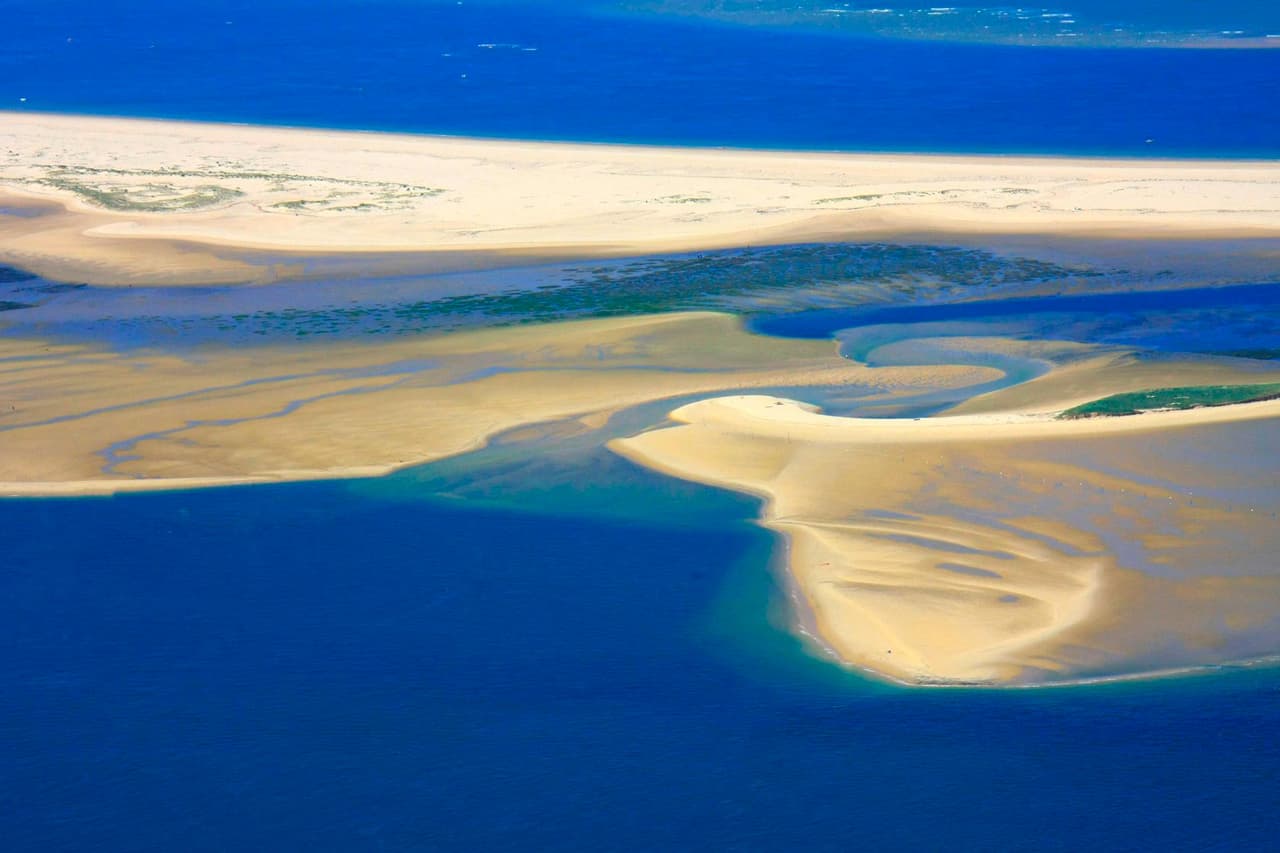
554	71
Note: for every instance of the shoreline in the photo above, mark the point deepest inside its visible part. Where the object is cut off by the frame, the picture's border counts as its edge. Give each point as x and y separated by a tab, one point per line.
147	201
660	146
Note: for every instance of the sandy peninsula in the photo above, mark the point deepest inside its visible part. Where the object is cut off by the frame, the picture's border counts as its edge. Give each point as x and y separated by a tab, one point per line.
110	200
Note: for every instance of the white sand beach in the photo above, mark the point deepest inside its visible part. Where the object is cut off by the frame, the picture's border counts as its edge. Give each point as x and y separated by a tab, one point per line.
131	200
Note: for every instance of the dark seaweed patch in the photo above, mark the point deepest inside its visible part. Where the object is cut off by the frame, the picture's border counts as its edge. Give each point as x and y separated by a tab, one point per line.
742	281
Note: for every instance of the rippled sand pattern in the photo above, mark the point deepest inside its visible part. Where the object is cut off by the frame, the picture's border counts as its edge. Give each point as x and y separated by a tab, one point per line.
1009	549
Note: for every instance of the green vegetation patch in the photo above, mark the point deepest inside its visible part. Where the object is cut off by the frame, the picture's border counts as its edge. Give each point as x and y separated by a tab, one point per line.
725	281
166	190
148	198
1192	397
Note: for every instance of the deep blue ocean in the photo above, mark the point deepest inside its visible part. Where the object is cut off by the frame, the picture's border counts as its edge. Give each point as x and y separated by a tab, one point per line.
359	667
593	658
553	71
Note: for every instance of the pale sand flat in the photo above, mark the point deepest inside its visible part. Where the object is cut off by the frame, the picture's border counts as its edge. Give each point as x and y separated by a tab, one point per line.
245	414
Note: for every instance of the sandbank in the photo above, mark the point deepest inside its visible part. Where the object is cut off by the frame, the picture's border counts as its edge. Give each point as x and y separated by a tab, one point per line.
1005	547
84	419
130	200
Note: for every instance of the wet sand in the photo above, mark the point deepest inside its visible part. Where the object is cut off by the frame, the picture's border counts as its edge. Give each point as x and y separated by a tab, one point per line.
89	419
